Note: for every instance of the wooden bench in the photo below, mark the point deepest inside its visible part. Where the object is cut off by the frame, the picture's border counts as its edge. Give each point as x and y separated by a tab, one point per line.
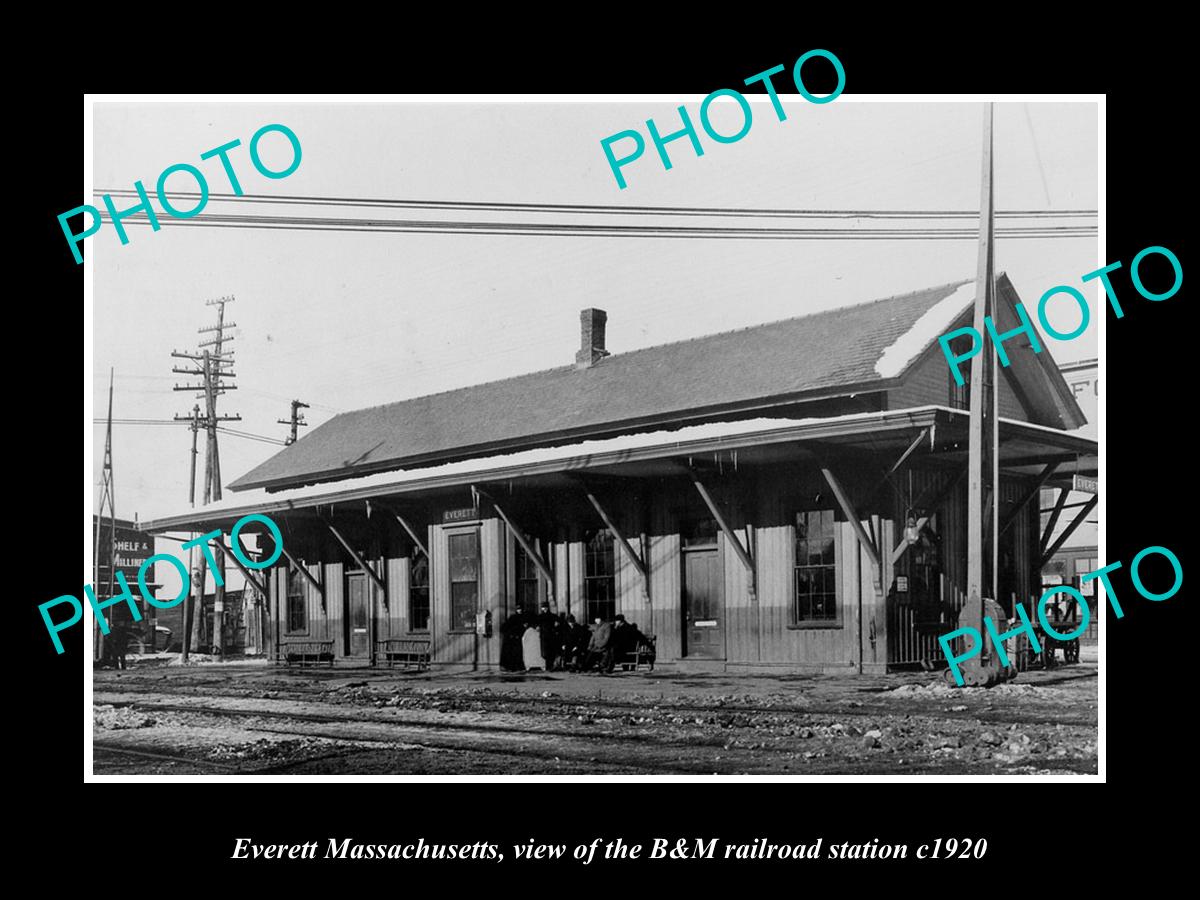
643	654
304	653
408	651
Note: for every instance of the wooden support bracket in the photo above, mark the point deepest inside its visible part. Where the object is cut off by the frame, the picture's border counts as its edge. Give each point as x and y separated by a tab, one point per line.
1011	516
899	462
404	523
1050	525
851	514
1070	530
902	548
303	570
524	543
358	560
253	579
730	536
635	558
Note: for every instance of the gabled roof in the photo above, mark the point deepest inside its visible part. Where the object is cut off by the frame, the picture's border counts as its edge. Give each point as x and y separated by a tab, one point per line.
856	349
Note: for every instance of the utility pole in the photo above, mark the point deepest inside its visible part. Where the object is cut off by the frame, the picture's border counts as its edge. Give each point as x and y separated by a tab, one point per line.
106	499
296	421
195	429
210	365
982	402
983	458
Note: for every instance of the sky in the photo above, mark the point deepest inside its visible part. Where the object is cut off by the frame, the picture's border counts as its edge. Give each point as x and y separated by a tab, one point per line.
349	320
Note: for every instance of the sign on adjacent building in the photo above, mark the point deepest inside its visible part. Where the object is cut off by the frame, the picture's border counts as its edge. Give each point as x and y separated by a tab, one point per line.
130	547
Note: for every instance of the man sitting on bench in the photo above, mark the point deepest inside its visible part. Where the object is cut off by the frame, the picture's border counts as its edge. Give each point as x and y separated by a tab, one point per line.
600	651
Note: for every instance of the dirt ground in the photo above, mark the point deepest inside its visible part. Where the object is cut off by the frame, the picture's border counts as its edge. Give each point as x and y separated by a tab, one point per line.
250	718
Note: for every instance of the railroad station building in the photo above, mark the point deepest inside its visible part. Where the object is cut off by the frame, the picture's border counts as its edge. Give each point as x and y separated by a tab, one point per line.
790	496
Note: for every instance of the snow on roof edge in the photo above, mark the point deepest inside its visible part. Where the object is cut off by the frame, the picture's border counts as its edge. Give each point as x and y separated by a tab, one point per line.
930	326
638	440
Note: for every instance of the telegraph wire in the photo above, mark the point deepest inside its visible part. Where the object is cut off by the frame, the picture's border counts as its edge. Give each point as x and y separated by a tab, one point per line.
385	226
232	431
600	209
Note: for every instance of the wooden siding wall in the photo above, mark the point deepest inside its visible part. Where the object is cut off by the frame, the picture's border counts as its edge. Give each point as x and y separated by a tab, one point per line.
463	647
929	383
758	632
391	619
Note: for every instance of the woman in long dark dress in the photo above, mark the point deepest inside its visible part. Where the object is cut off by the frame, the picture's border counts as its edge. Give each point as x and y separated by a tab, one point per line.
512	657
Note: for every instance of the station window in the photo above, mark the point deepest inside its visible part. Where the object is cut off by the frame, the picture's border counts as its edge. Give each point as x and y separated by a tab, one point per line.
815	572
960	397
418	591
464	579
527	581
600	577
297	602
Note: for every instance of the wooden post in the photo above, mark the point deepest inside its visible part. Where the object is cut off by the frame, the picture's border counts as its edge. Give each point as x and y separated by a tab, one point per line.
981	437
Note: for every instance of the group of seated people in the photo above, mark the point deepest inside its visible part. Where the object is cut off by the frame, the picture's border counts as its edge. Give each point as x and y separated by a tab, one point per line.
559	643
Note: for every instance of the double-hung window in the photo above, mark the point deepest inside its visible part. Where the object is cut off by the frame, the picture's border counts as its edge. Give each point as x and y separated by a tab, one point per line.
463	549
600	577
297	602
418	591
814	600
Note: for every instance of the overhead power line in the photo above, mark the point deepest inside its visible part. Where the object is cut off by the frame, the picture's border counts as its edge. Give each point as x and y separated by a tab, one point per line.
600	209
136	421
252	437
185	421
318	223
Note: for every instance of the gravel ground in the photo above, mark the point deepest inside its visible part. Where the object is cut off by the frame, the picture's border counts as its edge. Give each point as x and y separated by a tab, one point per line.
235	718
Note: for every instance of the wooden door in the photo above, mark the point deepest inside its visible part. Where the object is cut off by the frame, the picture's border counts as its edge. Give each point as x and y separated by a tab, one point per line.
703	604
357	618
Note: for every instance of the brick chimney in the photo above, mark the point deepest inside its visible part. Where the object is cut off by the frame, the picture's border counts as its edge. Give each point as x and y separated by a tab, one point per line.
591	338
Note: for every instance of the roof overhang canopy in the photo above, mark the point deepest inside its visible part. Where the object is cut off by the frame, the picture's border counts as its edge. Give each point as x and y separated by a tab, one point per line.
1025	450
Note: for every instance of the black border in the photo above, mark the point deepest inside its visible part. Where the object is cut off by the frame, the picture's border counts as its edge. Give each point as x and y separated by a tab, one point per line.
1148	483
